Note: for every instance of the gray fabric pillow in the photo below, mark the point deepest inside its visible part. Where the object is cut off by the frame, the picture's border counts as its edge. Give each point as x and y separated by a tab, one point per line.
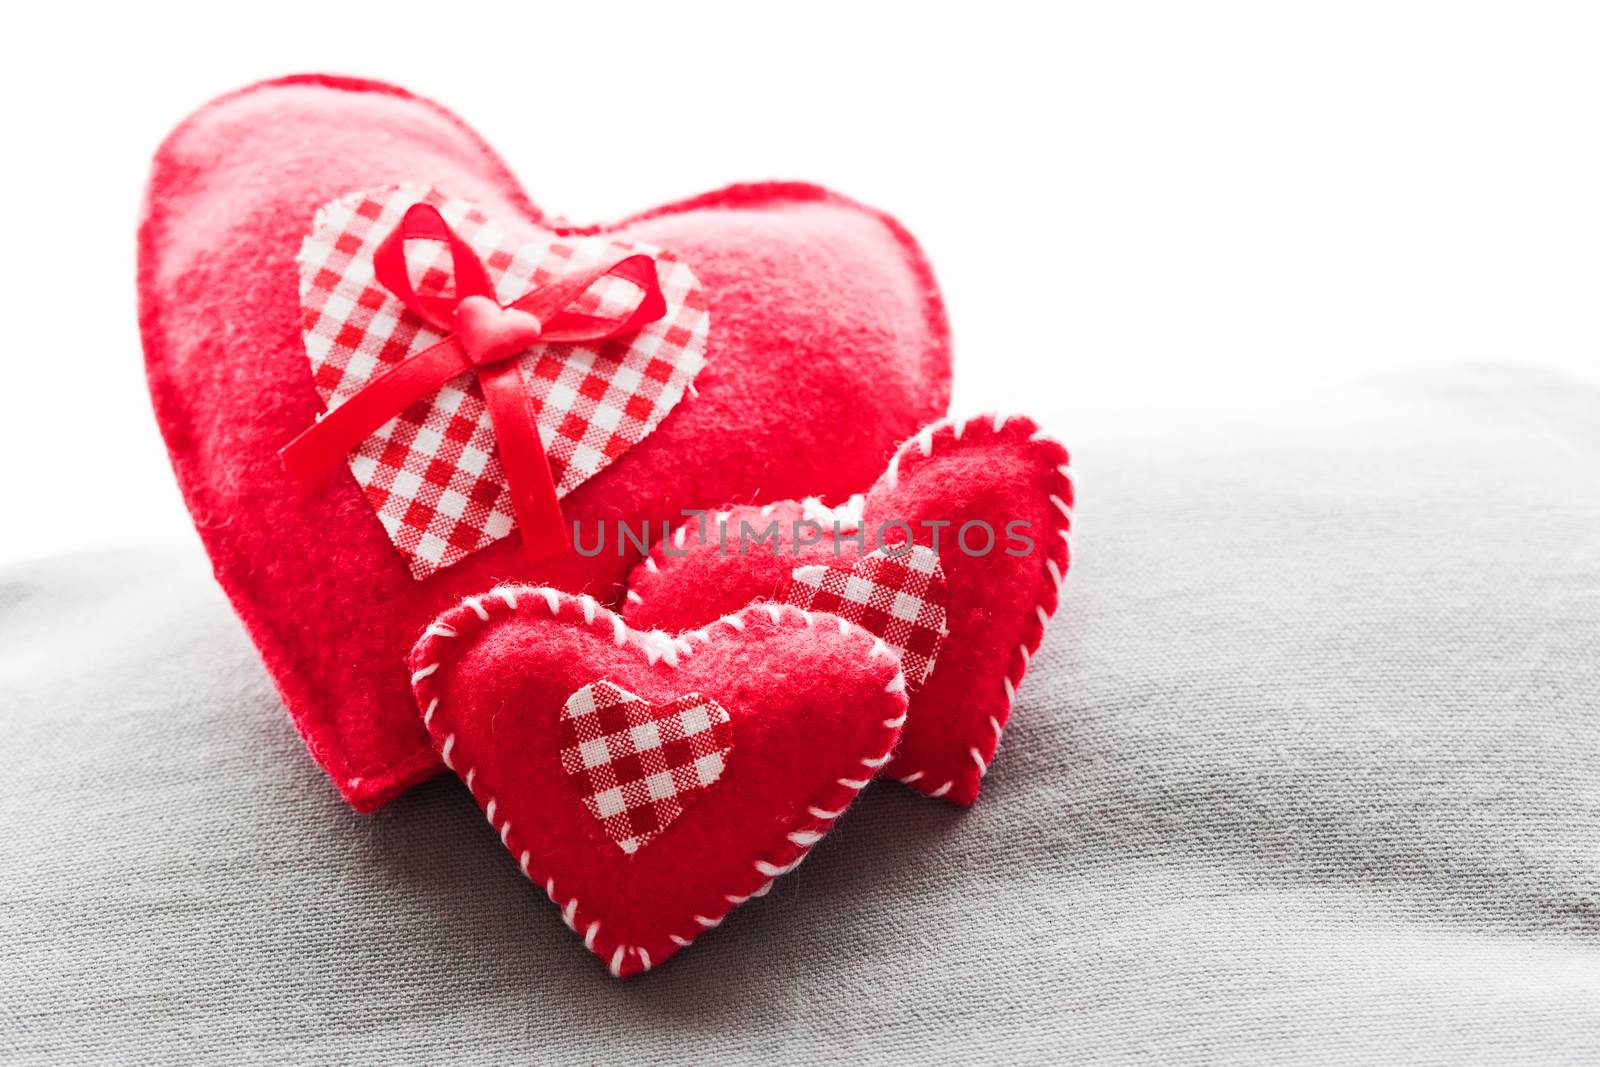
1308	768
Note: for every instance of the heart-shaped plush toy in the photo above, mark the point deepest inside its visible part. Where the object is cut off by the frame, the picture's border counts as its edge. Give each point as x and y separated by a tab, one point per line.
822	342
648	783
955	558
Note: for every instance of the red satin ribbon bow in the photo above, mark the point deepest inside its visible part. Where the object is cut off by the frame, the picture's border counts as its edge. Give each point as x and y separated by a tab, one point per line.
487	338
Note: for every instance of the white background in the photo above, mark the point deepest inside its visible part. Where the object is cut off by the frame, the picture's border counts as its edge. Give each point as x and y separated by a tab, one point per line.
1165	207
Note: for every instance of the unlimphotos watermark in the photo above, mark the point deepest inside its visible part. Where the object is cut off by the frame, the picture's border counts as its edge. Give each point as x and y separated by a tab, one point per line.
975	537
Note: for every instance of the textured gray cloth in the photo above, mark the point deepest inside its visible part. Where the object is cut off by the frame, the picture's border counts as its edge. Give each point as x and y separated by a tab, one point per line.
1308	768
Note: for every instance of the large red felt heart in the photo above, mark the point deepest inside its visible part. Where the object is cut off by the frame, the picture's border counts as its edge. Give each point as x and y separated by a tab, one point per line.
577	737
817	305
994	474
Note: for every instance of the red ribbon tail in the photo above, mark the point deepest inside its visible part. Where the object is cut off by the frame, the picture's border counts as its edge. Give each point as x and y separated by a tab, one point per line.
328	441
523	461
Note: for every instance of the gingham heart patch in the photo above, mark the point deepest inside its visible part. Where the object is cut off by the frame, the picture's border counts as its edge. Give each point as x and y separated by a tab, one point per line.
895	593
432	474
639	765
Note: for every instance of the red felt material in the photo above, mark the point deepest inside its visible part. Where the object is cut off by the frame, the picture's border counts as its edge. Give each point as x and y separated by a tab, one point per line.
953	471
814	709
828	343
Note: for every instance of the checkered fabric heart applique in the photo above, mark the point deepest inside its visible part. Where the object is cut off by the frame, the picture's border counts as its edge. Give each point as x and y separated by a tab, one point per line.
432	473
895	593
637	764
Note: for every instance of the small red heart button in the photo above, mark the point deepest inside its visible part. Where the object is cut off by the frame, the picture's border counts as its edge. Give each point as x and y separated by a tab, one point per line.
489	332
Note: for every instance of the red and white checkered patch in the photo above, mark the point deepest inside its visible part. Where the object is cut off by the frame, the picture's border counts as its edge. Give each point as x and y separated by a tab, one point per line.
639	765
898	595
432	473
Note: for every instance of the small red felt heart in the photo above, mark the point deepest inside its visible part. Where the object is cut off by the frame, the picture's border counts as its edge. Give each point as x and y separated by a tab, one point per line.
997	495
648	783
489	332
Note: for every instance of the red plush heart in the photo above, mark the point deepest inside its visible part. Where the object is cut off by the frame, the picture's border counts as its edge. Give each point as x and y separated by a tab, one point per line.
992	473
816	305
650	784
